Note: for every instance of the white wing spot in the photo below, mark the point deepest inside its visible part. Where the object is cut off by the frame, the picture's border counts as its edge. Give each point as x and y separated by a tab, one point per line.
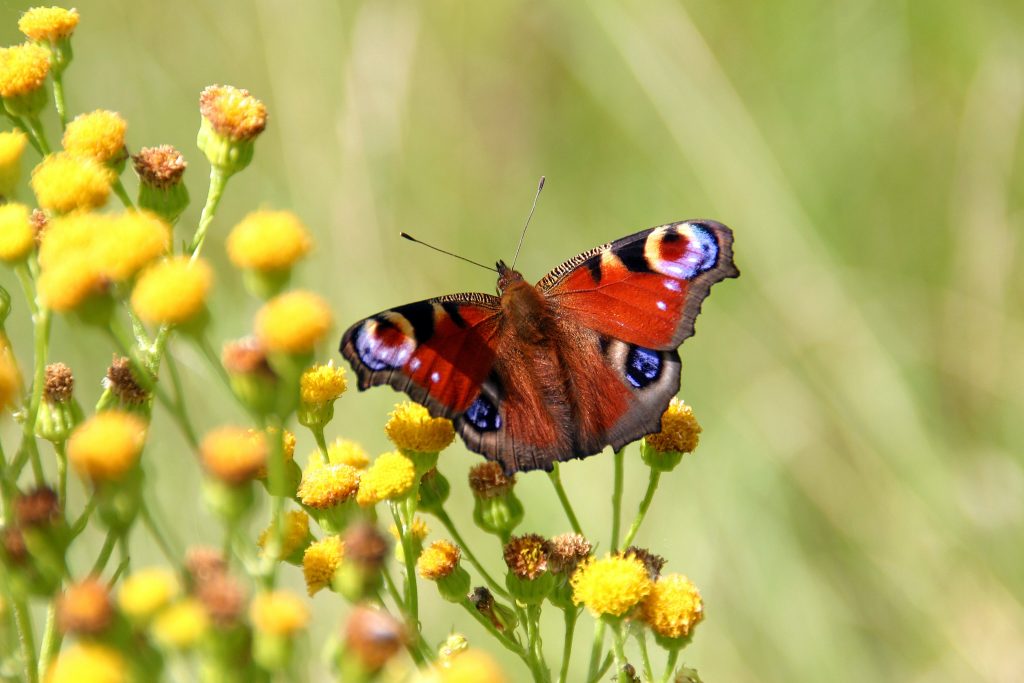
414	364
672	285
435	377
662	306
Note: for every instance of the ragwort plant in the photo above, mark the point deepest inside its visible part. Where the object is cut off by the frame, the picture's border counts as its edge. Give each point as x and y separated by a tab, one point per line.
215	614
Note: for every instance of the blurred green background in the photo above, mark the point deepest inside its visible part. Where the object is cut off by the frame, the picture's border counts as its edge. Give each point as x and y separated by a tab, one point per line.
856	507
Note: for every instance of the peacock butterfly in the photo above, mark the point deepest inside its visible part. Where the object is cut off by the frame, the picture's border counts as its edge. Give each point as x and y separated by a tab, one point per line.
542	373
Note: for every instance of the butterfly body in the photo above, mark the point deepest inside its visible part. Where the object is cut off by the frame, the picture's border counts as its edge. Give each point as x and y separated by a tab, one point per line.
584	359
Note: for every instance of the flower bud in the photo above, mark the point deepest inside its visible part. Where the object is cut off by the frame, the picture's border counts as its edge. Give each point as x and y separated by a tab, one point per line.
319	387
52	27
277	617
372	639
85	608
161	190
439	563
528	579
125	390
59	412
496	509
23	70
360	576
320	562
231	120
252	380
679	434
434	490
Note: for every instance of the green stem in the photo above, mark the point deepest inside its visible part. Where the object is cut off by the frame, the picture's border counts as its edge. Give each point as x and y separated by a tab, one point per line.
161	540
641	639
122	194
321	441
412	602
645	504
217	182
58	97
276	484
620	655
104	556
449	525
617	498
571	615
605	665
537	643
83	519
556	480
670	665
507	643
60	448
20	124
595	650
35	126
52	639
179	407
27	638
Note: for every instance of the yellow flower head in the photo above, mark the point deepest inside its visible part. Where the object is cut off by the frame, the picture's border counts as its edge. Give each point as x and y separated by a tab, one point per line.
10	378
98	135
85	608
48	24
673	607
172	291
296	533
23	68
146	592
527	555
278	613
411	428
391	476
12	145
16	235
418	530
63	182
612	585
107	445
135	238
472	666
287	445
438	560
322	384
233	112
88	663
268	240
293	322
324	486
182	625
234	455
680	430
66	287
345	452
320	561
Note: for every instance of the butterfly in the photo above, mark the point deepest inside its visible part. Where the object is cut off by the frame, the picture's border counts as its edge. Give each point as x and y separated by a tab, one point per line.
584	359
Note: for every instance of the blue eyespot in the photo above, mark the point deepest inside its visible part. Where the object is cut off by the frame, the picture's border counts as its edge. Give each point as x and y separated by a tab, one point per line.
483	415
642	366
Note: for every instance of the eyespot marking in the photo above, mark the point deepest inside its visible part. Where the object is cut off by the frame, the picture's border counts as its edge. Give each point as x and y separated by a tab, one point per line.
383	343
483	415
643	366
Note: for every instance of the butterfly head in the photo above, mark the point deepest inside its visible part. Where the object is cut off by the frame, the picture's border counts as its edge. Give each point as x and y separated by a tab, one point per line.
507	277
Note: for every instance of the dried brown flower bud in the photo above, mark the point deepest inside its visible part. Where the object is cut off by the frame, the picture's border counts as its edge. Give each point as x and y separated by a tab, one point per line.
374	637
14	545
223	597
652	562
160	166
527	555
246	356
84	608
39	221
488	480
39	507
204	563
365	546
566	551
60	383
121	381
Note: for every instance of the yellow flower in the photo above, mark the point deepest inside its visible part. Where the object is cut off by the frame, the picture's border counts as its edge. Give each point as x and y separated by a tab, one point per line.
23	68
411	428
182	625
324	486
390	477
287	445
472	666
296	533
320	561
268	240
9	377
84	608
12	145
16	235
134	239
278	613
63	182
612	585
418	531
48	24
146	592
98	135
64	288
673	607
107	445
322	384
172	291
438	560
233	112
234	455
88	663
680	430
342	452
294	322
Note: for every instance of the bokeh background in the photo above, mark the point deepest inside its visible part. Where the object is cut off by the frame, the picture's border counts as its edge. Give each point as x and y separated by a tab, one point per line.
856	507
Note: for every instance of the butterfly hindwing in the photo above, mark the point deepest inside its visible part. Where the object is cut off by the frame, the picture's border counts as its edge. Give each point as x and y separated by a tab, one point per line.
437	351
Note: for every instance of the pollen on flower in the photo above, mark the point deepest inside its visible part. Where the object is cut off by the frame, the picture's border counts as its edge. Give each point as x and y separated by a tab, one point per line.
347	452
182	625
23	68
161	166
438	560
410	427
12	145
612	585
268	241
324	486
84	608
63	182
17	239
233	112
88	662
107	445
391	476
322	384
527	555
48	24
293	322
296	533
320	561
98	135
172	291
146	592
279	613
680	430
673	607
234	455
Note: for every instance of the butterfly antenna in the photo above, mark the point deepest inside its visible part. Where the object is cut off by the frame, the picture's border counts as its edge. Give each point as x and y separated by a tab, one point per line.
540	186
431	246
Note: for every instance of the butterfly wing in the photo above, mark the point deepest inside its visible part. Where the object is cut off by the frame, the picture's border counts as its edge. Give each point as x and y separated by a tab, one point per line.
437	351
